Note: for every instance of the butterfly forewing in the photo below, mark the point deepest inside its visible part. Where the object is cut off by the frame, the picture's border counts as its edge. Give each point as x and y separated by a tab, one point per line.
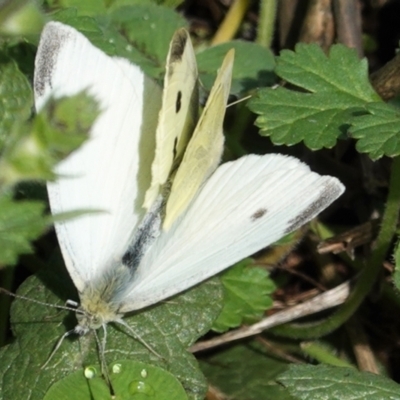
110	171
204	150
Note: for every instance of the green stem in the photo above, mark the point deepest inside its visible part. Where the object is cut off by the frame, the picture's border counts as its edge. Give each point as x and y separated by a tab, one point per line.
266	22
368	275
323	354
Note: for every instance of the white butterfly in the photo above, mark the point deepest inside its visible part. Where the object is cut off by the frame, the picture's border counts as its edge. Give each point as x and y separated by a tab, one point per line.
200	218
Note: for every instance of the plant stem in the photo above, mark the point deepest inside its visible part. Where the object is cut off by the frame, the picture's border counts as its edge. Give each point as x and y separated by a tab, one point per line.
266	22
231	23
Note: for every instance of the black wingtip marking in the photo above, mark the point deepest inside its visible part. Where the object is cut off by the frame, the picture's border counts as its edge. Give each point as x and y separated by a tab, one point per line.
178	45
51	42
258	214
330	191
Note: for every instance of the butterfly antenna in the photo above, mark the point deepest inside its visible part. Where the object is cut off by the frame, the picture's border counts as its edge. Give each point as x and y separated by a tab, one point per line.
239	101
104	369
138	338
43	303
66	334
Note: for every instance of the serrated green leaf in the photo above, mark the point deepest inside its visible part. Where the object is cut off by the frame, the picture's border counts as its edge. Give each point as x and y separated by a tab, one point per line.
140	33
128	378
253	67
20	223
246	372
309	382
247	290
337	86
340	72
290	117
16	98
58	129
63	124
169	328
378	131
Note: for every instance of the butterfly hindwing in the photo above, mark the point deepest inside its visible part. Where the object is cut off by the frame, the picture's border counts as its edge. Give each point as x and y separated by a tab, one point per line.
245	206
204	150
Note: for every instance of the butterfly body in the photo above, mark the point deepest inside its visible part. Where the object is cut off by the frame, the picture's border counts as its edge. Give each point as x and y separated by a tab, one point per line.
102	299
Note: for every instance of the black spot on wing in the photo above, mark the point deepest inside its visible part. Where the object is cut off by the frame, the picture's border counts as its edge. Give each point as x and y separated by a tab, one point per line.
330	191
52	39
259	214
178	102
175	149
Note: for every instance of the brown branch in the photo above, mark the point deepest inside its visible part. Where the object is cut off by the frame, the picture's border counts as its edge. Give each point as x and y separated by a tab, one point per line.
326	300
348	24
386	81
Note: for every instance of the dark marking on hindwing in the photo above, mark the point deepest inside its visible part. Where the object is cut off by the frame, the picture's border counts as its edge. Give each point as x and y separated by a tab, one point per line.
144	237
329	192
259	214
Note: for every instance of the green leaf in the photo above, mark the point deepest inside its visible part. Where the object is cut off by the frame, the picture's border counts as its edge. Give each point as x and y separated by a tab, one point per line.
166	3
253	67
247	290
140	33
335	87
246	372
169	328
308	382
16	98
147	30
20	17
340	72
378	131
88	26
55	132
128	378
63	124
83	8
97	7
20	223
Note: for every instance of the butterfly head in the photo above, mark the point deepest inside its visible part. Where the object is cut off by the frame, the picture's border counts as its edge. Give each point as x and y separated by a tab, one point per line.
97	309
87	322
